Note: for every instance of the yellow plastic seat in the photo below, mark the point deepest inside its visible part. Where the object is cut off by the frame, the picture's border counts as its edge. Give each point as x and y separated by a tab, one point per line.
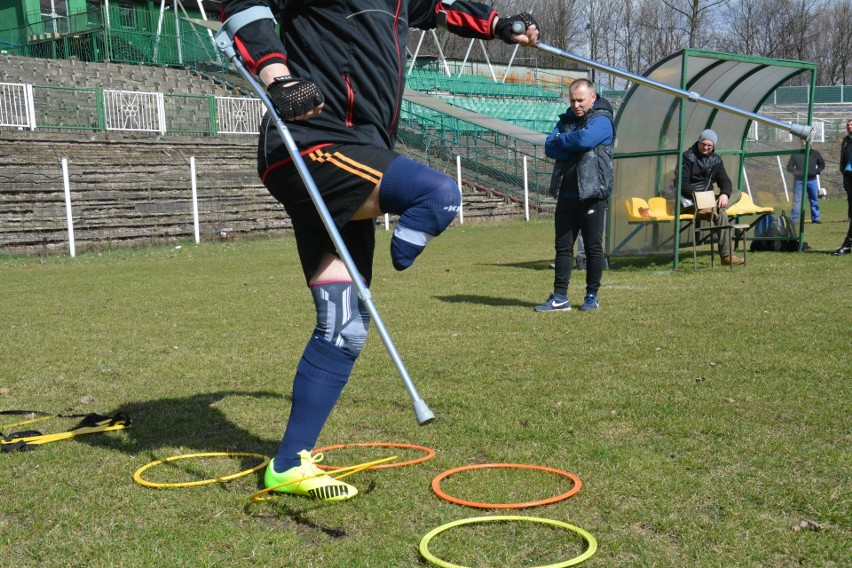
638	210
663	209
746	206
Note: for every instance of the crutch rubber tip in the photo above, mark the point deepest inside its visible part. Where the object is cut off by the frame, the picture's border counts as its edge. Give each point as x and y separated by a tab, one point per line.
803	131
424	415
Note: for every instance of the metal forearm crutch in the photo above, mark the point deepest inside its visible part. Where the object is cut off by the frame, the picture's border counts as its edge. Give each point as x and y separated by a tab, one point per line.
225	42
803	131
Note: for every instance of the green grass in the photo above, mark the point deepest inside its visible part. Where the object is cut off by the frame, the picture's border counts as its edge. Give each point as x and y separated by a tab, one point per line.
706	412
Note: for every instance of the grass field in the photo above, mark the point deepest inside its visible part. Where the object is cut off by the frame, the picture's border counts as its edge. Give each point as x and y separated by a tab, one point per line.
706	412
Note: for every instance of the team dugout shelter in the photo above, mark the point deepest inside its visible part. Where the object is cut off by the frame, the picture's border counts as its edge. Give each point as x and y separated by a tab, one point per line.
654	128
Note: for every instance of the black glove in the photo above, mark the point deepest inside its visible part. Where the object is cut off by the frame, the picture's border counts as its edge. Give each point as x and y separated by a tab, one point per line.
293	97
503	29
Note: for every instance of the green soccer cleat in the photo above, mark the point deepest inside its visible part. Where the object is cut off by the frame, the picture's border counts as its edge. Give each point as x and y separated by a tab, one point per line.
314	482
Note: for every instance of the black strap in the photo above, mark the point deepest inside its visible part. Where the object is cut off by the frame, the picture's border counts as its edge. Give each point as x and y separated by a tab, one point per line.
25	413
19	446
92	420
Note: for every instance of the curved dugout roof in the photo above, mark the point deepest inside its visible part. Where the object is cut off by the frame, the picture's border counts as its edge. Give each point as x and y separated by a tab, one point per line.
655	127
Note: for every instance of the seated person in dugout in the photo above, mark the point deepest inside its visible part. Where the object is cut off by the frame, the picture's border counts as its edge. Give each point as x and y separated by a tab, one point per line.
702	168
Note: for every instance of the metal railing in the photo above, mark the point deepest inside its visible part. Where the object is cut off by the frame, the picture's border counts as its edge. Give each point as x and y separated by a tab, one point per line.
135	111
16	106
26	106
238	115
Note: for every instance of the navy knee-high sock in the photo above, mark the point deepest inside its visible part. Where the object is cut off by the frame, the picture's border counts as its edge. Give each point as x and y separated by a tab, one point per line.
320	377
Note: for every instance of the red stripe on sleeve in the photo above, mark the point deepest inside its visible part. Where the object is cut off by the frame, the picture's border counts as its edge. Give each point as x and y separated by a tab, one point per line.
250	63
466	21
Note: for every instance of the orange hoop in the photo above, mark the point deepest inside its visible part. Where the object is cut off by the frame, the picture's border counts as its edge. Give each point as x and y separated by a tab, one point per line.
436	486
430	453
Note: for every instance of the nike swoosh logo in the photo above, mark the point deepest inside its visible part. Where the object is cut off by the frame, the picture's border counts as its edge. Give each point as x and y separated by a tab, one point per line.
559	304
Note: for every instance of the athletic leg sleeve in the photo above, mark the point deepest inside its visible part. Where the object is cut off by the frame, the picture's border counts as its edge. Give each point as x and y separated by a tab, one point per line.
426	200
342	318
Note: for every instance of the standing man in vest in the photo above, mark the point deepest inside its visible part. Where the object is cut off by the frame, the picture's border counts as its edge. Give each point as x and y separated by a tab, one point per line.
846	169
703	167
581	143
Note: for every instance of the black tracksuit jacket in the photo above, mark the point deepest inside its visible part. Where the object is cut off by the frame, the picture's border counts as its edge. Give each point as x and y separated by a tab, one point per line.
355	53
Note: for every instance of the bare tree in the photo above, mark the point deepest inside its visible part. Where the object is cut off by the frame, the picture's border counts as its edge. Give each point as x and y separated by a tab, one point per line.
564	24
625	48
602	32
635	34
695	12
663	31
754	27
832	43
798	29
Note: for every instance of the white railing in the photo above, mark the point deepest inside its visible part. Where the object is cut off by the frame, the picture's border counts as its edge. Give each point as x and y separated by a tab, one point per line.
135	110
16	106
238	115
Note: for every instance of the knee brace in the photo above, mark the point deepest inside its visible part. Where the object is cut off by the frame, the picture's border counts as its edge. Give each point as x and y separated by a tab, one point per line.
342	318
426	201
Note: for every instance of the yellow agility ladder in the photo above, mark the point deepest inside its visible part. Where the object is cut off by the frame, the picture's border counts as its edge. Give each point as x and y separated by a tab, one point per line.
28	440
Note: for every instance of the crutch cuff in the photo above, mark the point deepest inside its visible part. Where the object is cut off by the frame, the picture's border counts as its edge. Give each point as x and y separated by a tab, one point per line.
228	32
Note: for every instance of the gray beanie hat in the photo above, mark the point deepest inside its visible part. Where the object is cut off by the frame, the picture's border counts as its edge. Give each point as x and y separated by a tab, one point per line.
708	135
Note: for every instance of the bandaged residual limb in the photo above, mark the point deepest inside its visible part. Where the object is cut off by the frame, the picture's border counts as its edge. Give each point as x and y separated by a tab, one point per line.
225	41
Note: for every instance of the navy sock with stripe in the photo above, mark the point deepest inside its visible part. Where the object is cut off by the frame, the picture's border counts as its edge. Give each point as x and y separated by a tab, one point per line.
320	377
426	201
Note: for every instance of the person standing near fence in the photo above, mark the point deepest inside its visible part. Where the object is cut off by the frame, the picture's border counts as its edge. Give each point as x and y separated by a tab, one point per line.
336	73
846	170
581	143
795	165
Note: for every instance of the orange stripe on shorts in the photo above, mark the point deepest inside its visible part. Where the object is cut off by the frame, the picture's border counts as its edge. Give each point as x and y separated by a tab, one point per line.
347	164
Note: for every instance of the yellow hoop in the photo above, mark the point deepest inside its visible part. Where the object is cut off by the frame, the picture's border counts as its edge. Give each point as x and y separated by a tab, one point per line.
590	550
137	476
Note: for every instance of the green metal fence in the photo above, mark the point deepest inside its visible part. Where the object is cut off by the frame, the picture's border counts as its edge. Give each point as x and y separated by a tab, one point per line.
76	108
116	34
68	108
489	159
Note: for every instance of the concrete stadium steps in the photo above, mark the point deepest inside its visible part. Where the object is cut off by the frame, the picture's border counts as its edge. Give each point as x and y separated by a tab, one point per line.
133	189
119	76
128	192
137	191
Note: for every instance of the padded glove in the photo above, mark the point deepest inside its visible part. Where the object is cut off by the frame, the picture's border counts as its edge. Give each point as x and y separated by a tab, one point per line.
503	29
293	97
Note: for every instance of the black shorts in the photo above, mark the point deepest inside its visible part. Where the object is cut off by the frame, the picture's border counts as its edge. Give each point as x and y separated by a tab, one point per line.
345	175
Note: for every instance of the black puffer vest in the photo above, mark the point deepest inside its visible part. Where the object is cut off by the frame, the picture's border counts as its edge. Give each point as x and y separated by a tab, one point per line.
593	167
